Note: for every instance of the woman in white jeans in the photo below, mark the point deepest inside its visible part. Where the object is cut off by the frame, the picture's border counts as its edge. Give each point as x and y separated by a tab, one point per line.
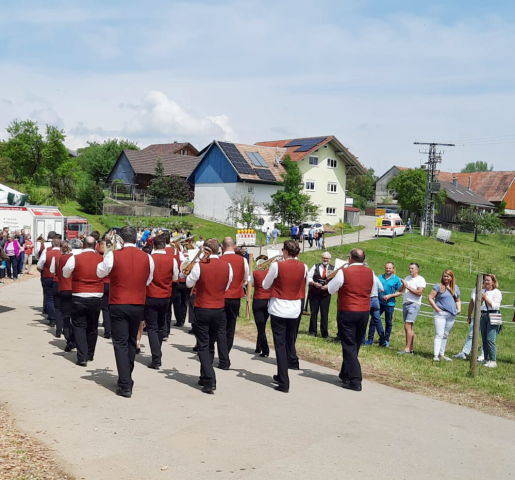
446	303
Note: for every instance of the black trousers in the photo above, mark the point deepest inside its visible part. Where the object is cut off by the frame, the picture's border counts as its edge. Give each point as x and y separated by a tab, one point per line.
48	292
283	330
125	320
207	324
226	331
168	323
57	309
106	319
85	314
191	310
319	303
260	312
66	299
351	329
155	319
180	302
294	359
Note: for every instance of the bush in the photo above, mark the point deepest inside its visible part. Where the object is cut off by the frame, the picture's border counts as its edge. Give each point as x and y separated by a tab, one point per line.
90	198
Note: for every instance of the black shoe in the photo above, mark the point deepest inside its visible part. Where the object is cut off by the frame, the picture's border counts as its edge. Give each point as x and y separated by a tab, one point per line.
51	324
293	367
90	359
154	366
81	364
195	348
325	336
201	383
281	389
58	333
124	393
223	367
178	324
68	348
350	386
276	378
257	350
138	350
191	332
208	389
107	336
311	334
264	355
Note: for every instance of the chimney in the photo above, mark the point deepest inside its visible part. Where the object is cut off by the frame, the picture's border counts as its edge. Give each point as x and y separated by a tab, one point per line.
455	181
470	181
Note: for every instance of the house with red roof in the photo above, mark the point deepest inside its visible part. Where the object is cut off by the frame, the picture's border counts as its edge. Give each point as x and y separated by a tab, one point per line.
325	164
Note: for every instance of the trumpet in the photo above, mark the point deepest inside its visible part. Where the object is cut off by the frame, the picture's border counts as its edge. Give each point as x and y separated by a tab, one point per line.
187	265
266	265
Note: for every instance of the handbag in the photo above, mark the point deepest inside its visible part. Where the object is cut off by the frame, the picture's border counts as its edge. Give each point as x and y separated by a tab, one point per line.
494	317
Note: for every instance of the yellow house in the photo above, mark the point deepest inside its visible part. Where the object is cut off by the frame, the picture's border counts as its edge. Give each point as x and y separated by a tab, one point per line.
325	164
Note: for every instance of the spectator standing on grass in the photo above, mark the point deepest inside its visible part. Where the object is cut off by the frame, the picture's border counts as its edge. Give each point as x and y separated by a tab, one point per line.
294	230
391	285
413	287
311	236
491	299
446	303
375	315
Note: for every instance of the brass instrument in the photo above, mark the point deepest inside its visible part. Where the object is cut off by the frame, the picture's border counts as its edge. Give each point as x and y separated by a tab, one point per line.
334	272
182	241
187	265
266	264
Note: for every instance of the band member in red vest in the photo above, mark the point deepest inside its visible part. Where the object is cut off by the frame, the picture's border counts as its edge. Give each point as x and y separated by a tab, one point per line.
233	296
65	249
65	296
130	271
175	253
284	307
260	307
87	291
354	285
158	298
212	278
44	262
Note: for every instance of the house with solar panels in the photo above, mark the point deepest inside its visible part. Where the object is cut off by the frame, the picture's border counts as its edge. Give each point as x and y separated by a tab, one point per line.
227	170
325	164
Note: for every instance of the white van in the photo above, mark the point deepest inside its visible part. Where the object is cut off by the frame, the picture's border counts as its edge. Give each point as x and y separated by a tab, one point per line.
306	227
391	225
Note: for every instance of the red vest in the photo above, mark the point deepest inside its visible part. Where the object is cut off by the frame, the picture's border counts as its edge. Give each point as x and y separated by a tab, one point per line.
354	295
288	283
259	292
56	257
84	276
46	268
129	277
237	263
213	280
65	284
161	286
302	288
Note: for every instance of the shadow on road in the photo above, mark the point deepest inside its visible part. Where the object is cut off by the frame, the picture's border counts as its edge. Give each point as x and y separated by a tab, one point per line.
174	374
265	380
332	379
102	377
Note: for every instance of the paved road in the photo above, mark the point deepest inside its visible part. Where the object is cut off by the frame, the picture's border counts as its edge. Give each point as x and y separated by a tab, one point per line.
367	233
245	431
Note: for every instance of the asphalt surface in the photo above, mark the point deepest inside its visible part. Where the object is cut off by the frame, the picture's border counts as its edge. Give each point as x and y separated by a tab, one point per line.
246	430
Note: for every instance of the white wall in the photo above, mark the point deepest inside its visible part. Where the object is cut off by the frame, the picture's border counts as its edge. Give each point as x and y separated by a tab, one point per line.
212	200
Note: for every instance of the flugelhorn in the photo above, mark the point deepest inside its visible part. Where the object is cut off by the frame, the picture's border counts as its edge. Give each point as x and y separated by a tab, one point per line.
266	264
187	265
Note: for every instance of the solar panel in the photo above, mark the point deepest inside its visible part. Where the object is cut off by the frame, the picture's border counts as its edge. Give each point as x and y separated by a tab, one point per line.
237	159
256	159
305	144
265	175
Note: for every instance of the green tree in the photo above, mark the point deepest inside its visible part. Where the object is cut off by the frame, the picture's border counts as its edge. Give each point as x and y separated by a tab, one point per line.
158	187
477	167
480	222
291	205
91	197
243	210
361	188
179	190
98	159
410	186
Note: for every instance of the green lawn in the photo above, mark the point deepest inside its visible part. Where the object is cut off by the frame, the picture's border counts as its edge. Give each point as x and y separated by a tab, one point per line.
492	389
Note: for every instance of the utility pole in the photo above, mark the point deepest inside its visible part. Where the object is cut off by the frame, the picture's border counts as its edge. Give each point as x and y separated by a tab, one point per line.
432	186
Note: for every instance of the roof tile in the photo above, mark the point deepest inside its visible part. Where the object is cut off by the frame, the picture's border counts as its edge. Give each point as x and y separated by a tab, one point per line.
491	185
144	162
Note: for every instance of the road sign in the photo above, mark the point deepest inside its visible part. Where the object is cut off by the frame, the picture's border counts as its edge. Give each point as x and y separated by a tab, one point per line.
380	211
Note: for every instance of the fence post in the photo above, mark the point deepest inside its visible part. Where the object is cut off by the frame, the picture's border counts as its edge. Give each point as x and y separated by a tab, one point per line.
470	264
475	330
404	251
249	287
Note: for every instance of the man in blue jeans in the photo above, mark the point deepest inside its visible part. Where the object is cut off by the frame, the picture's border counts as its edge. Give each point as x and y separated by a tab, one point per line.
375	316
391	284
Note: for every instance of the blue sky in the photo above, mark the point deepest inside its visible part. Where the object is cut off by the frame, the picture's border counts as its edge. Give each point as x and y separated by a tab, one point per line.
377	74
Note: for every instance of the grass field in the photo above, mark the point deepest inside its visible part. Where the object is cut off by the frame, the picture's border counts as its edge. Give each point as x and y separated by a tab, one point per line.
492	390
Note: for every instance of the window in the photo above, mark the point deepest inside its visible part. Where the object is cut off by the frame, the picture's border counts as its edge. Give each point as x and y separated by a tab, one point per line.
310	185
332	163
250	189
332	187
313	161
330	211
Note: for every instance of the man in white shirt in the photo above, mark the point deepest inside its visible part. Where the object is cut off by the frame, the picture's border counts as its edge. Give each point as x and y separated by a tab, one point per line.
413	287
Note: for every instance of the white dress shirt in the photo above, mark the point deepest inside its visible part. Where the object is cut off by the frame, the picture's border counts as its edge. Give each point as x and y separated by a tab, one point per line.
104	268
278	306
194	275
246	267
42	258
175	267
311	272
